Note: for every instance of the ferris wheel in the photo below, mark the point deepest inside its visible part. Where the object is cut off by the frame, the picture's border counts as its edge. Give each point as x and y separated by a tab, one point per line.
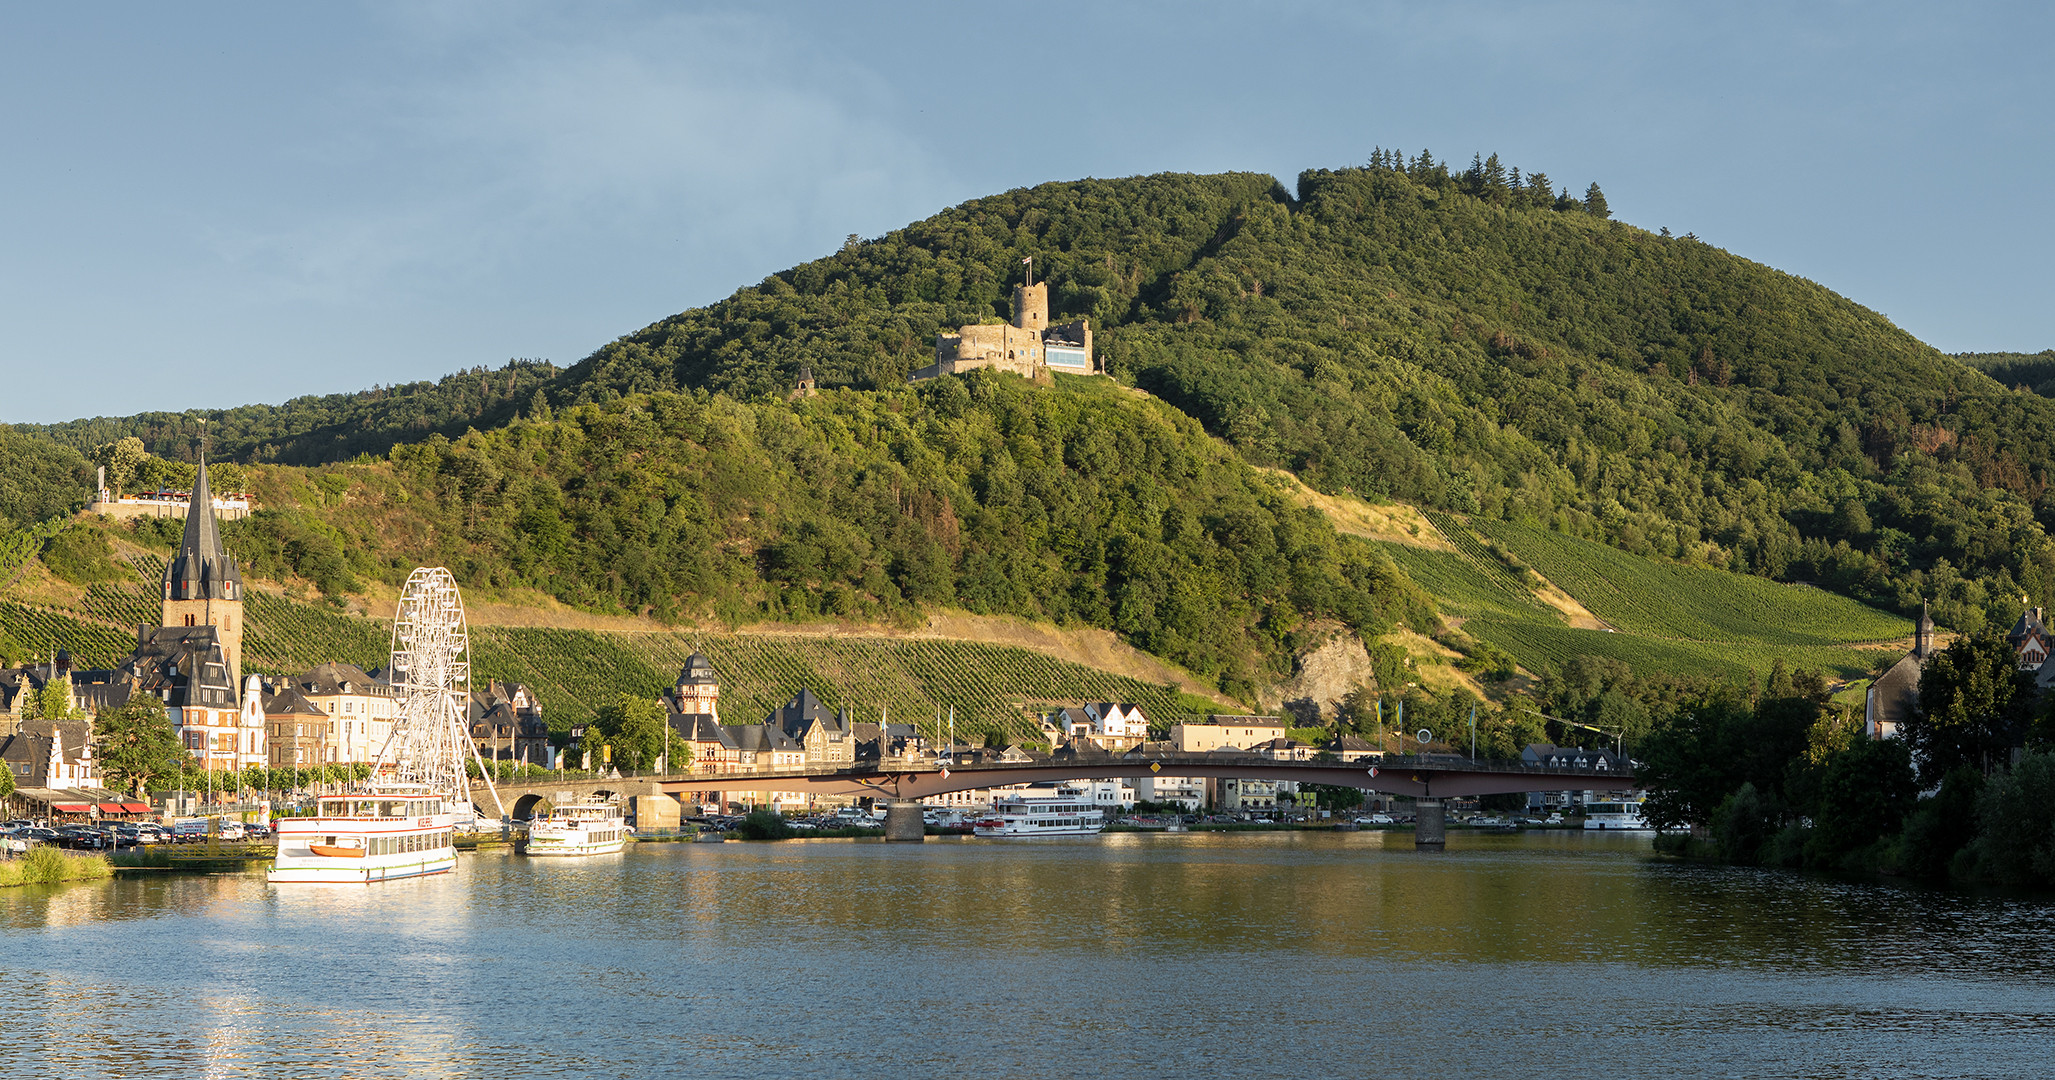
431	677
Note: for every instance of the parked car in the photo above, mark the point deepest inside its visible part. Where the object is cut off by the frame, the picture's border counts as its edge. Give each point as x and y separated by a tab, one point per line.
83	838
1376	819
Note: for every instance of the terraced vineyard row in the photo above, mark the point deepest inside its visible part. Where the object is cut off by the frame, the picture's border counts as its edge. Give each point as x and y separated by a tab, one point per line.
1665	600
1536	643
1486	563
281	637
131	602
1457	584
30	634
909	679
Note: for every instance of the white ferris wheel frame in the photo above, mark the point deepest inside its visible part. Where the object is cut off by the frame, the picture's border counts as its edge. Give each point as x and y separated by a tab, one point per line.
430	674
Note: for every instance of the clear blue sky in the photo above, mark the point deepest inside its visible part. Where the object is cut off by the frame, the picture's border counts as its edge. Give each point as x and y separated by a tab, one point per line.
213	204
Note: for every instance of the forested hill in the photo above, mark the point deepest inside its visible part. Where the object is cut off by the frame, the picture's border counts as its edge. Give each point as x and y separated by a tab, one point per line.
1463	342
2030	371
317	429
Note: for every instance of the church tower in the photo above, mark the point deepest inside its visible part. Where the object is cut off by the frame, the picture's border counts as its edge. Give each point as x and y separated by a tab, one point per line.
1923	639
201	584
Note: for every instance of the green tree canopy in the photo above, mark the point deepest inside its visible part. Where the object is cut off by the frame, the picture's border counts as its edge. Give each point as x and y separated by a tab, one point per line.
136	745
635	728
1974	706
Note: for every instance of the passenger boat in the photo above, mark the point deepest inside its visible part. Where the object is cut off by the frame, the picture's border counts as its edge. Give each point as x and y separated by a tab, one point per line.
387	832
586	827
1027	815
1619	814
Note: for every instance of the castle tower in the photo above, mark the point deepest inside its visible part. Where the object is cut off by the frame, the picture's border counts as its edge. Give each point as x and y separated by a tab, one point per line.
698	690
1031	307
201	584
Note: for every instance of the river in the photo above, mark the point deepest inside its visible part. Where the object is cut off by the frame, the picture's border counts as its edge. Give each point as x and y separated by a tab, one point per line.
1205	955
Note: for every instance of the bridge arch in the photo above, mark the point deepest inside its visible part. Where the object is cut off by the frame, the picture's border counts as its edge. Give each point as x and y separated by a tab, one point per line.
528	806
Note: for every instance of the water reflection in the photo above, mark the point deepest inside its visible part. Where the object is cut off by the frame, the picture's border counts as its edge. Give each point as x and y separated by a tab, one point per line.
1200	954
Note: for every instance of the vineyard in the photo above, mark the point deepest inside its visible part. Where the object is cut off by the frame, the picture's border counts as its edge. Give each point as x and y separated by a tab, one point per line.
21	545
1665	600
1536	644
1486	564
1459	586
30	633
571	671
1670	618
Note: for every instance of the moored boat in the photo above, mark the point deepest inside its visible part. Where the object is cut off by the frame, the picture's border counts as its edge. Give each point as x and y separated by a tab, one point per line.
586	827
1060	815
387	832
1621	813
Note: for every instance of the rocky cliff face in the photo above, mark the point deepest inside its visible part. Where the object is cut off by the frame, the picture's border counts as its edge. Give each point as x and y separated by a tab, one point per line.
1323	677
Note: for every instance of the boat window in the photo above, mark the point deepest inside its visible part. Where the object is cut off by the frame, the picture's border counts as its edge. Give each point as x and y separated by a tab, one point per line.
389	808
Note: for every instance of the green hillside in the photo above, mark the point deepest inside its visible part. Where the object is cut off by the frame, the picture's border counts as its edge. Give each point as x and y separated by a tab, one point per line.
1464	341
2031	371
1458	343
1665	618
903	679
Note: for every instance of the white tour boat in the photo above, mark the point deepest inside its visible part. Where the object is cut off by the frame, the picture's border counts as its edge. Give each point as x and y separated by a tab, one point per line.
586	827
1622	813
1028	815
389	831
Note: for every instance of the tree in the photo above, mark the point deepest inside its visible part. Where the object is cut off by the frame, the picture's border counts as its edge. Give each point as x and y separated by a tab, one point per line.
123	457
1974	705
635	728
1864	795
1594	202
6	782
51	701
136	746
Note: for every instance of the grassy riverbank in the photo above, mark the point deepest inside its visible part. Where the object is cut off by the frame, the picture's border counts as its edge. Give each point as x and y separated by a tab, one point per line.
48	866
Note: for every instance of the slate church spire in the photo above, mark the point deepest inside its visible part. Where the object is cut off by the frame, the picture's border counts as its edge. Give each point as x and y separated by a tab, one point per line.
202	586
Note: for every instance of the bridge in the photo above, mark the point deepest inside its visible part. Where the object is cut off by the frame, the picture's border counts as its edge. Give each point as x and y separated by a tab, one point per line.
1426	778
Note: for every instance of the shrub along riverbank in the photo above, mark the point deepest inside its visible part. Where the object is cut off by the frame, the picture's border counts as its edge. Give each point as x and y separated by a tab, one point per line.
48	866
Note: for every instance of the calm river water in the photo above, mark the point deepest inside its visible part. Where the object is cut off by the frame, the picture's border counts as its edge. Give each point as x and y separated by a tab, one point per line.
1243	955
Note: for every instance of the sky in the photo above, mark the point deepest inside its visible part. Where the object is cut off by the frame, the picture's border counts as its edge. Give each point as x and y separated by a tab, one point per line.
211	204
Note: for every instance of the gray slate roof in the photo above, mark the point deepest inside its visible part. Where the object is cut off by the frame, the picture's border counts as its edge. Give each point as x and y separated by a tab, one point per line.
202	569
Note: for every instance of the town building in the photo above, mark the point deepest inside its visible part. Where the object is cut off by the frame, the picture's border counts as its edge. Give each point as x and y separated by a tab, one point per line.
698	691
51	754
1238	732
296	728
507	724
1893	696
1549	755
360	708
1102	725
826	738
1028	346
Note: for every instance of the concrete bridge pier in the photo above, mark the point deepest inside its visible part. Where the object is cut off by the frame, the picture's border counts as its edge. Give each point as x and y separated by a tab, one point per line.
1430	830
903	821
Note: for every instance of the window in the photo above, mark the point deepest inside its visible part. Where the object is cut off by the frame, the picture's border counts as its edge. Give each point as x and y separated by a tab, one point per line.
189	620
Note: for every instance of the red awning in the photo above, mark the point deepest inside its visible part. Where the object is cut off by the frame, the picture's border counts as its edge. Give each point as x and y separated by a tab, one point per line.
72	807
135	808
113	808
